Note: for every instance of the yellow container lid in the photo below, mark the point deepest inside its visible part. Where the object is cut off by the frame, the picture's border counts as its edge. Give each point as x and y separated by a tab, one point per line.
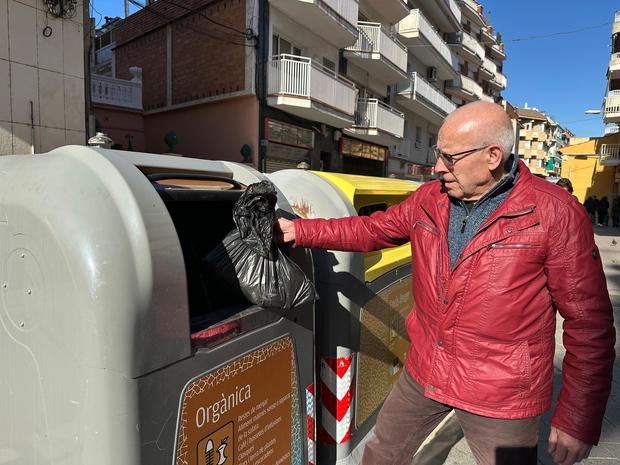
359	188
369	190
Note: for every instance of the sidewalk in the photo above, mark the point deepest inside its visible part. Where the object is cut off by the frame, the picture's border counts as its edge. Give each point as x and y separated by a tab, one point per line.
448	447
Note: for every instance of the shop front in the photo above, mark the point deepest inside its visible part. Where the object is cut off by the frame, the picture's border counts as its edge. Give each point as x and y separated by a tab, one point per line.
362	157
287	145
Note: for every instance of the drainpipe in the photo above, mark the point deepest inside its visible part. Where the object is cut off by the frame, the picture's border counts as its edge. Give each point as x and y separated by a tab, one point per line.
262	57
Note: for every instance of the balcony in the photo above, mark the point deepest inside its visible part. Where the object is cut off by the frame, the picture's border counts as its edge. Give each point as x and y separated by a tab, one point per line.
497	52
612	107
610	154
384	57
446	14
534	135
302	87
389	11
377	122
468	47
613	129
117	92
474	11
498	81
486	34
428	46
335	19
464	88
421	98
614	66
615	29
488	69
104	54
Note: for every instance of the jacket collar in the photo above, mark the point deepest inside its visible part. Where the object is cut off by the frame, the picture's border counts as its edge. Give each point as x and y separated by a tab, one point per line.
437	203
519	206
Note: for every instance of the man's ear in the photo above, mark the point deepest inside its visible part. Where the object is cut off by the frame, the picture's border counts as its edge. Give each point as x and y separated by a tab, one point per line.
495	157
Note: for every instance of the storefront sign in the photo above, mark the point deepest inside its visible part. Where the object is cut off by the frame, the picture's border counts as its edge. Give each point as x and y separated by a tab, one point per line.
414	169
238	416
356	148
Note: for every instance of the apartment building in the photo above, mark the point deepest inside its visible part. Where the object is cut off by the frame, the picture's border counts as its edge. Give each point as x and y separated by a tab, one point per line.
611	113
42	97
340	85
453	58
540	139
609	149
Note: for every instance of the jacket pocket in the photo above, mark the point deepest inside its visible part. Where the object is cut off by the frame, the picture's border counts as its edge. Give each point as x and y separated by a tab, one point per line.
500	372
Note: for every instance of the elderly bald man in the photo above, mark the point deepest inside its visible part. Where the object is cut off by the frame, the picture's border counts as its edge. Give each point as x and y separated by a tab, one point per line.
496	252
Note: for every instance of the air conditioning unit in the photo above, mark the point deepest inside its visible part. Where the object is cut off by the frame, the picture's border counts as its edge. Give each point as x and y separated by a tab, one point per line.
431	74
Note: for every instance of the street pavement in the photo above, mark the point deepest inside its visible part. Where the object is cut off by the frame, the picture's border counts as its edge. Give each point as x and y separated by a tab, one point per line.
447	446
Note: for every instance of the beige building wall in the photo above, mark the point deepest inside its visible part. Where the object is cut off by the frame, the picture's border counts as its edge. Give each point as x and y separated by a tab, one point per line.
41	78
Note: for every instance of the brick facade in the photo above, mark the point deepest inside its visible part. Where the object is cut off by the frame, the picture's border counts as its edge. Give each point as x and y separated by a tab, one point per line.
203	61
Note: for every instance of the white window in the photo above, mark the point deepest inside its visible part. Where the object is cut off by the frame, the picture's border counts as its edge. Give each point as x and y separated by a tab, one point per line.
528	144
540	146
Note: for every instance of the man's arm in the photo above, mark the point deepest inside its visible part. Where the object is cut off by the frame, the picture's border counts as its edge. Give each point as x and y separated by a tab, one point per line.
577	285
355	234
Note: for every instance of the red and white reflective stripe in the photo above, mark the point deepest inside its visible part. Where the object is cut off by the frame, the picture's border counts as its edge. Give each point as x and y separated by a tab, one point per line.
310	419
336	397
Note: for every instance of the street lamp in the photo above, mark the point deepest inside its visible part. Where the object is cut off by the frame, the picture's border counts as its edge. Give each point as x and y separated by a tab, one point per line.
592	112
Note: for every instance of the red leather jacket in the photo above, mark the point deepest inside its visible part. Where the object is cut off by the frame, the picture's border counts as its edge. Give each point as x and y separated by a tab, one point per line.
483	332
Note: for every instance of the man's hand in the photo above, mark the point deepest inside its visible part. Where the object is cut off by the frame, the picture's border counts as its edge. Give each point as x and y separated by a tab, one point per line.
283	231
565	449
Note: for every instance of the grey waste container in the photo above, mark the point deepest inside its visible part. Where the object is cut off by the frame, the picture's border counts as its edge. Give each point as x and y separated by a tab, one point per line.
114	348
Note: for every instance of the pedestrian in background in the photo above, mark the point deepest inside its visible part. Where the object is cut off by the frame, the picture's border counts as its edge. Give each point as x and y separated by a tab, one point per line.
589	206
603	211
495	252
615	211
565	184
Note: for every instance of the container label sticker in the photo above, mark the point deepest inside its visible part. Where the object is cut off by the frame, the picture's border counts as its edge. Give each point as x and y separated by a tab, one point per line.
240	414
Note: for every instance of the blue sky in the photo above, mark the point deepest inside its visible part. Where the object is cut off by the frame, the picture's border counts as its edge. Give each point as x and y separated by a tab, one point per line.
563	74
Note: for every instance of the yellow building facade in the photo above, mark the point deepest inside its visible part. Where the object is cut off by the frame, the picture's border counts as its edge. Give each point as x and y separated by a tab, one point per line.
589	174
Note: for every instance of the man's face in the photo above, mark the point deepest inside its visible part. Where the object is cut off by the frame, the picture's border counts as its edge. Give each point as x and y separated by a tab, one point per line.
468	177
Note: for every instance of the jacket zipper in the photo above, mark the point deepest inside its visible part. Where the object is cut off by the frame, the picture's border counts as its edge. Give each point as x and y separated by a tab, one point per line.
510	246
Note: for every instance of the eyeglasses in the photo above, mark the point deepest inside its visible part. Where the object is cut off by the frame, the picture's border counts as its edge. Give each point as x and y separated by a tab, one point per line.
450	159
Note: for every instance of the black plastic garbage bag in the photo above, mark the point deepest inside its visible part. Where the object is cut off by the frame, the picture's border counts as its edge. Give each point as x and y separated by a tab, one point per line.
248	260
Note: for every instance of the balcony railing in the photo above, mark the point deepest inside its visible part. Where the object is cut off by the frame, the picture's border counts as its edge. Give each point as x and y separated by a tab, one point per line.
372	113
291	75
610	152
614	62
468	85
612	129
476	8
499	80
612	104
454	8
488	64
104	53
118	92
417	86
417	23
472	44
373	39
348	9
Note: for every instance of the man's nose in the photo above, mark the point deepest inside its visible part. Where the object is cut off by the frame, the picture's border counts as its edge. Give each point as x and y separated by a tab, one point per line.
440	166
